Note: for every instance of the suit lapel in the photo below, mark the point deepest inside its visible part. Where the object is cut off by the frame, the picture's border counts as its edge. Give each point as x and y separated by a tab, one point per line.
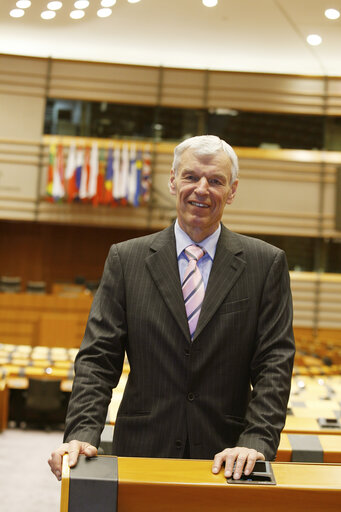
226	269
163	267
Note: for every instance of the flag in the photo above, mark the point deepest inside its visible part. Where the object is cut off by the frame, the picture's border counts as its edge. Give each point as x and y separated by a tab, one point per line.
138	190
49	184
58	191
116	166
78	171
108	178
118	174
83	187
70	173
94	168
99	197
146	175
132	175
124	174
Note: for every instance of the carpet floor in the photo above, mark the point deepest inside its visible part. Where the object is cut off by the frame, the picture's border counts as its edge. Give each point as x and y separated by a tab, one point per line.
26	482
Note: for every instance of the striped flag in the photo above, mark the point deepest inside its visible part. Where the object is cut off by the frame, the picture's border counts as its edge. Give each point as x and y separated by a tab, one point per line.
70	173
124	175
138	190
108	178
132	175
99	197
58	174
146	175
85	174
116	167
49	184
78	172
94	169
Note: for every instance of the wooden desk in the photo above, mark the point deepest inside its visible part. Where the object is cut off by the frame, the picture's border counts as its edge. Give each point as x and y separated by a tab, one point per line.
154	485
330	446
298	425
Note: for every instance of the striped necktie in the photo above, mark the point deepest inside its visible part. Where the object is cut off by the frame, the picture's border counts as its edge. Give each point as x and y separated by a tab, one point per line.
193	286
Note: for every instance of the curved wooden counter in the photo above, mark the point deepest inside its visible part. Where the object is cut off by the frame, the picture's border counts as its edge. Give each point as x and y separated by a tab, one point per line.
168	485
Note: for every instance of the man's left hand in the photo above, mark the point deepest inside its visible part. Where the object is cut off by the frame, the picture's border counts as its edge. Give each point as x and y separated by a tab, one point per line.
244	458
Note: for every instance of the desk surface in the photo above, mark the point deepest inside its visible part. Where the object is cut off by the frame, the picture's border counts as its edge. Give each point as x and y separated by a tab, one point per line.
151	485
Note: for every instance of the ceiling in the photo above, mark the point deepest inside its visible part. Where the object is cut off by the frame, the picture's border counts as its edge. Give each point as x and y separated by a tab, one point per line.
238	35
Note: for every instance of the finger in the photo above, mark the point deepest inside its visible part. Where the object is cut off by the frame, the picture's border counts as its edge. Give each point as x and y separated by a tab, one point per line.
218	461
240	462
74	449
89	450
80	447
231	456
251	461
55	460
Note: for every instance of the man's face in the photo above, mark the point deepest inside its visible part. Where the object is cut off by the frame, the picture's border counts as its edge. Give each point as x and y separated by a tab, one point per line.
202	190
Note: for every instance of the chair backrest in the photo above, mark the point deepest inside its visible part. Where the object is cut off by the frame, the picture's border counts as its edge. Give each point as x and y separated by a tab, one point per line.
44	395
10	284
36	287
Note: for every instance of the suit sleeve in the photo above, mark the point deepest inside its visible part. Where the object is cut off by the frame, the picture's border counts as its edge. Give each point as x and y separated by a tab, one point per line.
272	363
99	363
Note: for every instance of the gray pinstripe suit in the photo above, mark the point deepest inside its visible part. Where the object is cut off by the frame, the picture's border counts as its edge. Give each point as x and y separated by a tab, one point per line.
229	387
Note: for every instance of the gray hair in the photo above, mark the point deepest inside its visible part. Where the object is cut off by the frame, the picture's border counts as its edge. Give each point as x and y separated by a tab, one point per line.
204	145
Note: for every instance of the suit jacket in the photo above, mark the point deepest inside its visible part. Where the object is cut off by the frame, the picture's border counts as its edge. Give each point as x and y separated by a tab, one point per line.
229	387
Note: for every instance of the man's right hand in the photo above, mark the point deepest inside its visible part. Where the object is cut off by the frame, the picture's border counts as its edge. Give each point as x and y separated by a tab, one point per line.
73	448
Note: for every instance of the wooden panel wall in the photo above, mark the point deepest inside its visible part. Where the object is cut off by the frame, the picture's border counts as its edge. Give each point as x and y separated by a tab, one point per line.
55	252
103	82
23	83
266	93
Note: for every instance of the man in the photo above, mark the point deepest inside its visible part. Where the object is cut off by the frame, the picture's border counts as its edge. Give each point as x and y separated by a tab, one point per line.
210	365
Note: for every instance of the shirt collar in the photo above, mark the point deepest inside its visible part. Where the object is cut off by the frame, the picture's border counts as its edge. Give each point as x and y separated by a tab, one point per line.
183	241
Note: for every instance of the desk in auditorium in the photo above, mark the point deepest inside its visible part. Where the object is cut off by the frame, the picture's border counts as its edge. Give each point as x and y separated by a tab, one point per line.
298	425
312	448
152	485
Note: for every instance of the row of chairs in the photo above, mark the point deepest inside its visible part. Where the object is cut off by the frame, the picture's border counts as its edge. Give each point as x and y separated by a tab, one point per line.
10	284
317	355
13	284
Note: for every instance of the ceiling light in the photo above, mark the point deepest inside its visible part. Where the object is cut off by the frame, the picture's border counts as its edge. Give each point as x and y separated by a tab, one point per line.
54	6
133	1
81	4
314	39
104	13
47	15
23	4
17	13
331	14
77	15
210	3
108	3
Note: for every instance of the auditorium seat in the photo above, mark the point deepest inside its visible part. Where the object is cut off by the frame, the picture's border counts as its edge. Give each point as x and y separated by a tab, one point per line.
44	400
10	284
38	287
91	286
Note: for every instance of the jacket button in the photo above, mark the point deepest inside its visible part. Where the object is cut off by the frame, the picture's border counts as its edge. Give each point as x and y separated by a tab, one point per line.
190	397
178	443
187	352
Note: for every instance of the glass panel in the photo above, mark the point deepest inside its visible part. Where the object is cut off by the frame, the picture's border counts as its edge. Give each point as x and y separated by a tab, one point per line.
254	129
